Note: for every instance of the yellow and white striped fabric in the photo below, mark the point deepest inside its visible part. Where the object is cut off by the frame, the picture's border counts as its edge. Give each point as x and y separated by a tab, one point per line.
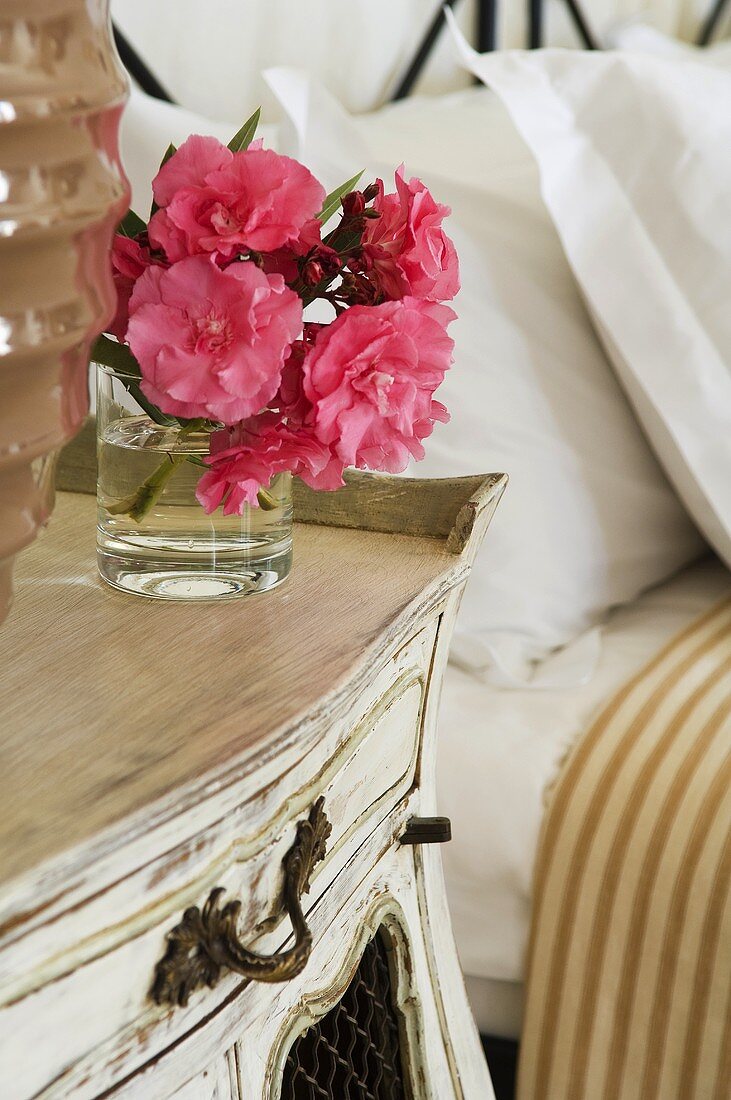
629	975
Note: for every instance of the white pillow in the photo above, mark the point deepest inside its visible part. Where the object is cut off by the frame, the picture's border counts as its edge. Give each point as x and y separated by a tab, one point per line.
634	154
642	37
588	519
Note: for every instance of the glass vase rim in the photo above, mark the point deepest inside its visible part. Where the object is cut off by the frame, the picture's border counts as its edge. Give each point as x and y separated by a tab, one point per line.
116	372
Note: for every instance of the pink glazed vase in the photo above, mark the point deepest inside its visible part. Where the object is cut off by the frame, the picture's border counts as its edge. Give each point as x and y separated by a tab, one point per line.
62	192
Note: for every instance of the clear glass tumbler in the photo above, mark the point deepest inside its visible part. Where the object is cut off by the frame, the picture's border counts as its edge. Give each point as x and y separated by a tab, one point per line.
153	537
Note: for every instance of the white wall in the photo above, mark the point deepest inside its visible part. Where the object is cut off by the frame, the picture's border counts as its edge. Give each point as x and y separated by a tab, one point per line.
210	53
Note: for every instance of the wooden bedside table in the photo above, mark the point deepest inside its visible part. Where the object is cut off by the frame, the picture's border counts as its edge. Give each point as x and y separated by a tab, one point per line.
182	784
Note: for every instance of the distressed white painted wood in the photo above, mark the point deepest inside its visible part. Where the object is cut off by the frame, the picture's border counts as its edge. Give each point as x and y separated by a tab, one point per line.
123	809
219	1082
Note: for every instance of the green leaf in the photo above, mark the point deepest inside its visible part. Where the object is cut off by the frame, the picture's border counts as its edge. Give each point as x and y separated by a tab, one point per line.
332	202
243	139
169	152
131	224
116	356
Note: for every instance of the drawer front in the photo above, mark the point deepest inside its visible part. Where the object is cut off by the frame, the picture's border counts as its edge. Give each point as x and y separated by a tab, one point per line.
218	1082
94	1023
378	889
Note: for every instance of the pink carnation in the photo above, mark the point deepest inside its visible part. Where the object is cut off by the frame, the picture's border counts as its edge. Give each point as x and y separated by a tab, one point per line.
130	259
410	252
212	343
371	376
245	458
216	201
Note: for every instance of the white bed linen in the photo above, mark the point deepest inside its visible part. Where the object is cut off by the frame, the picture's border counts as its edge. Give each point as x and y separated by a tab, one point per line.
642	37
499	751
589	519
634	155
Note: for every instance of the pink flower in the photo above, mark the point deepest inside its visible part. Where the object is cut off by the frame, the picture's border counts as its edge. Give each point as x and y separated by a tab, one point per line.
245	458
212	343
371	376
130	259
189	167
213	200
290	398
410	252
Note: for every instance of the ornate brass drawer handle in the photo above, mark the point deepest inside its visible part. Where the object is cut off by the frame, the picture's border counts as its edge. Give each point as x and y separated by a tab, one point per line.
205	941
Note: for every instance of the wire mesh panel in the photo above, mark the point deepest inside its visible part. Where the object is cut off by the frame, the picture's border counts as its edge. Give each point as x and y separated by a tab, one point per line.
354	1052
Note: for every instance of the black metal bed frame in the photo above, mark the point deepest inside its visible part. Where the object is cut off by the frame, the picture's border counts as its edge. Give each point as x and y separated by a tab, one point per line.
485	40
486	26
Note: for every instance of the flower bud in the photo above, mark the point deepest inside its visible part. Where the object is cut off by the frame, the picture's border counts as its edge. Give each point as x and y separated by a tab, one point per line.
357	290
312	273
353	203
360	262
370	192
328	259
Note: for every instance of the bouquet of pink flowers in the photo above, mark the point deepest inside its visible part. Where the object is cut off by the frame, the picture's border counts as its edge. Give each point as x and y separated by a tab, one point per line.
211	325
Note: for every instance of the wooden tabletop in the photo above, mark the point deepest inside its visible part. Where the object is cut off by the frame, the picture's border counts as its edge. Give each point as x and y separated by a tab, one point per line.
109	701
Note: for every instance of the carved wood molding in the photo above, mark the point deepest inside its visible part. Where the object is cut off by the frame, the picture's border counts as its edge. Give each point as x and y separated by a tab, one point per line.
386	917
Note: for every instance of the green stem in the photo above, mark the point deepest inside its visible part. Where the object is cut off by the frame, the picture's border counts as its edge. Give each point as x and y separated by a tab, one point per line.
143	499
139	503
